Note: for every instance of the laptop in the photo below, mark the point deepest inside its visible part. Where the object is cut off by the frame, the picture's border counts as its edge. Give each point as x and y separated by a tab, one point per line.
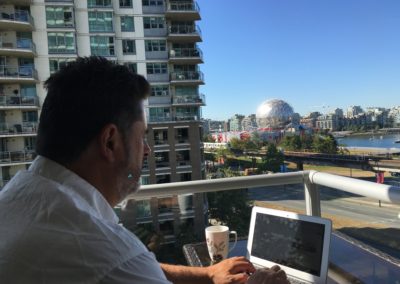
299	244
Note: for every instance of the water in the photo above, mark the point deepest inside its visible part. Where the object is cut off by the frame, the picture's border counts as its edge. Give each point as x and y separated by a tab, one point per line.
375	141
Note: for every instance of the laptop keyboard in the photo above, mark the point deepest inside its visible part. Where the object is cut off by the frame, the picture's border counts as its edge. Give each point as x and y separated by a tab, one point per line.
296	281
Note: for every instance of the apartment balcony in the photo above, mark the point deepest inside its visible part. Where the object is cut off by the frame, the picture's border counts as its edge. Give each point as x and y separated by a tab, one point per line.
186	56
197	100
23	47
19	21
17	102
187	78
17	2
187	117
11	158
18	129
349	261
23	74
184	33
183	11
155	119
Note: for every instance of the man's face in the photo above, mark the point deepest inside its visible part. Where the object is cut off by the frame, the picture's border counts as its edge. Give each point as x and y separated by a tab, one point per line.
136	149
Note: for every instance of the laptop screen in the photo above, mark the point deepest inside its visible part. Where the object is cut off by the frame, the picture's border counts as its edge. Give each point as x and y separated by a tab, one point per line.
294	243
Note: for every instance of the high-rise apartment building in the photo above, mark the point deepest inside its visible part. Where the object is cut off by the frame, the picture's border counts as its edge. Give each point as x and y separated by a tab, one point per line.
155	38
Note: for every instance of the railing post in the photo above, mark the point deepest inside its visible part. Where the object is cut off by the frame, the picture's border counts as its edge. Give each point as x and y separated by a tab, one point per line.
312	198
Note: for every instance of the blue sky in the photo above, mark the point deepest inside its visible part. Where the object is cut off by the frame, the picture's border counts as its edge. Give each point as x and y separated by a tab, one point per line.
314	54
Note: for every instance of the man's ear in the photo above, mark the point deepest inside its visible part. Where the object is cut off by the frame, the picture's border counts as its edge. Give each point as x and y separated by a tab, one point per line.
110	140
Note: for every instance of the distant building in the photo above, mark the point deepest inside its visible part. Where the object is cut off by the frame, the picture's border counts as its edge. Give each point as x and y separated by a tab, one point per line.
249	123
354	111
235	123
310	120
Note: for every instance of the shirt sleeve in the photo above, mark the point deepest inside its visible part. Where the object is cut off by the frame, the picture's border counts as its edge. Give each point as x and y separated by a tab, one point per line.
143	268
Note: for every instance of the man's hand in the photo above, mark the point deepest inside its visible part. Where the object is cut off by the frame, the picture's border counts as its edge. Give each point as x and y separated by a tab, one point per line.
231	270
273	275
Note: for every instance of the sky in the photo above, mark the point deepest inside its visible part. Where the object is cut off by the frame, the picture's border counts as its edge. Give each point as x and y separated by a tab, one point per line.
316	55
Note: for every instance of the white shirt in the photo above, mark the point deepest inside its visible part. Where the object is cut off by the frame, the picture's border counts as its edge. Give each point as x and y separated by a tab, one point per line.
57	228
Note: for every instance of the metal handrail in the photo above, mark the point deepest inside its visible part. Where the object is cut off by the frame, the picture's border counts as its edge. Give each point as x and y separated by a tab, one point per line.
12	100
310	179
19	72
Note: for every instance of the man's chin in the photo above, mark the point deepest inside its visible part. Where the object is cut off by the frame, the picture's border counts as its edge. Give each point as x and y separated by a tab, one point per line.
132	188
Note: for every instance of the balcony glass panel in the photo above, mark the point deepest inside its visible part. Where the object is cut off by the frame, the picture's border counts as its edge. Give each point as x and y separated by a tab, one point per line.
157	114
186	76
187	113
183	6
18	72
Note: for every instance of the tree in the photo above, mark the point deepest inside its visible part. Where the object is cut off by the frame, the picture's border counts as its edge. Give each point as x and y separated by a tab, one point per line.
325	144
273	159
231	207
208	138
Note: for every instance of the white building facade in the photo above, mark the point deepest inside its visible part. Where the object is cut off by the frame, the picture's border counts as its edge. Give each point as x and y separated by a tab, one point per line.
155	38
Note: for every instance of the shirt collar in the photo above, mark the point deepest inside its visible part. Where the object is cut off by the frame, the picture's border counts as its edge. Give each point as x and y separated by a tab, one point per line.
75	184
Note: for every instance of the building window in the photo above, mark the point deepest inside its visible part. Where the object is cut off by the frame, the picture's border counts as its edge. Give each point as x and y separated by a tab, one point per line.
165	205
159	90
154	22
58	63
159	114
29	116
127	24
163	178
125	3
160	136
28	91
162	159
152	2
182	135
143	208
144	180
99	4
155	45
100	21
185	177
30	143
61	42
167	227
128	46
156	68
183	158
102	45
131	66
59	17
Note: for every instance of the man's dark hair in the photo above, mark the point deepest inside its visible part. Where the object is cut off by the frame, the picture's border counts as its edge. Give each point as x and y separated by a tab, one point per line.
82	98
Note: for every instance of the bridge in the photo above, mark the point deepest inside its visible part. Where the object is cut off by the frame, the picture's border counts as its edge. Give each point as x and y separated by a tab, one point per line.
364	162
376	163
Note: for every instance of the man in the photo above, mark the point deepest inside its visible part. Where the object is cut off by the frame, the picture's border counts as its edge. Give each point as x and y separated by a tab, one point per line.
57	224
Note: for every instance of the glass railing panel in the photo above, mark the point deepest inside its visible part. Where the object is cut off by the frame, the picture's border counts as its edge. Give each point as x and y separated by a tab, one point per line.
185	52
184	29
181	6
19	72
10	100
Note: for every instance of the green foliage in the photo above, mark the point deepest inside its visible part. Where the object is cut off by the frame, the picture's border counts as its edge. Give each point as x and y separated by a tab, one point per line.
325	144
231	207
208	138
273	159
317	143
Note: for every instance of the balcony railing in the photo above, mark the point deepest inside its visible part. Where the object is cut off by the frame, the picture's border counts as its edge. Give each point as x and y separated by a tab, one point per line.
22	72
17	156
187	117
18	16
184	29
18	129
22	43
16	101
187	76
181	6
185	100
185	52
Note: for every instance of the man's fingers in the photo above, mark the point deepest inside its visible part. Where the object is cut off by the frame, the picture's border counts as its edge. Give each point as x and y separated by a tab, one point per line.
239	278
281	274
